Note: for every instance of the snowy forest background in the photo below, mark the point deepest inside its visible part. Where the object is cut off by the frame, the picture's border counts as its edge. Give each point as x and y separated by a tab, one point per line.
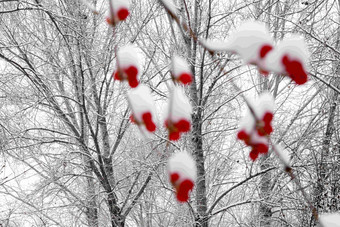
71	157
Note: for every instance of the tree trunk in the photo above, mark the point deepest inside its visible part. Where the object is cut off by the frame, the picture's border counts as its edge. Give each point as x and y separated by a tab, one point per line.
197	119
326	192
201	199
91	204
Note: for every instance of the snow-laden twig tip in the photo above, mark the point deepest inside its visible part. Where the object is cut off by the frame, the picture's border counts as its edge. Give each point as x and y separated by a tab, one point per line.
170	7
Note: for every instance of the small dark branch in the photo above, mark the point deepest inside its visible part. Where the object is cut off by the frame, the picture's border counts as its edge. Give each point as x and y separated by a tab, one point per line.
140	192
237	185
325	82
130	190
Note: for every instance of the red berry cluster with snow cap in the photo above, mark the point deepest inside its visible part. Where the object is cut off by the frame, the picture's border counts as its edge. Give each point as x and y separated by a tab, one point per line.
128	65
180	70
178	114
290	57
182	174
142	106
251	48
252	41
119	11
254	131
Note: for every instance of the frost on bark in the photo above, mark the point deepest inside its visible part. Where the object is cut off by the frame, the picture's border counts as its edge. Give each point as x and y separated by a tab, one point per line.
326	192
265	212
197	119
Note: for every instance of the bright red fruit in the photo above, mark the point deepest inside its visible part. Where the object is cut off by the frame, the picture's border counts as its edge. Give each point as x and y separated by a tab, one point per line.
174	136
254	131
183	190
265	49
182	174
261	148
123	13
185	78
116	75
254	154
242	135
174	177
149	124
295	70
268	117
131	72
180	70
133	83
183	125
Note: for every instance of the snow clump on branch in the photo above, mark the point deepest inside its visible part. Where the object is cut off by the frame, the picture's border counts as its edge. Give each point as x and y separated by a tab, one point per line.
182	174
119	11
252	41
170	7
179	114
180	70
141	103
254	130
290	57
128	62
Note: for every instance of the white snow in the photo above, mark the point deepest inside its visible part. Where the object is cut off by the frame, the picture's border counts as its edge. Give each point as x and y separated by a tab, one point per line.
180	106
265	104
216	45
179	66
330	220
283	153
129	55
183	164
248	122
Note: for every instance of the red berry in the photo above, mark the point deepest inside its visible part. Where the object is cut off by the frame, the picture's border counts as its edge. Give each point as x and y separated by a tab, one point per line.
268	117
133	83
123	13
261	131
265	49
174	136
173	178
262	148
185	78
254	154
147	118
116	75
242	135
183	125
295	70
268	129
183	190
131	72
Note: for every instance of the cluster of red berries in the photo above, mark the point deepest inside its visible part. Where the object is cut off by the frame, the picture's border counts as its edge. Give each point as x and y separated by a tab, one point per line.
254	131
